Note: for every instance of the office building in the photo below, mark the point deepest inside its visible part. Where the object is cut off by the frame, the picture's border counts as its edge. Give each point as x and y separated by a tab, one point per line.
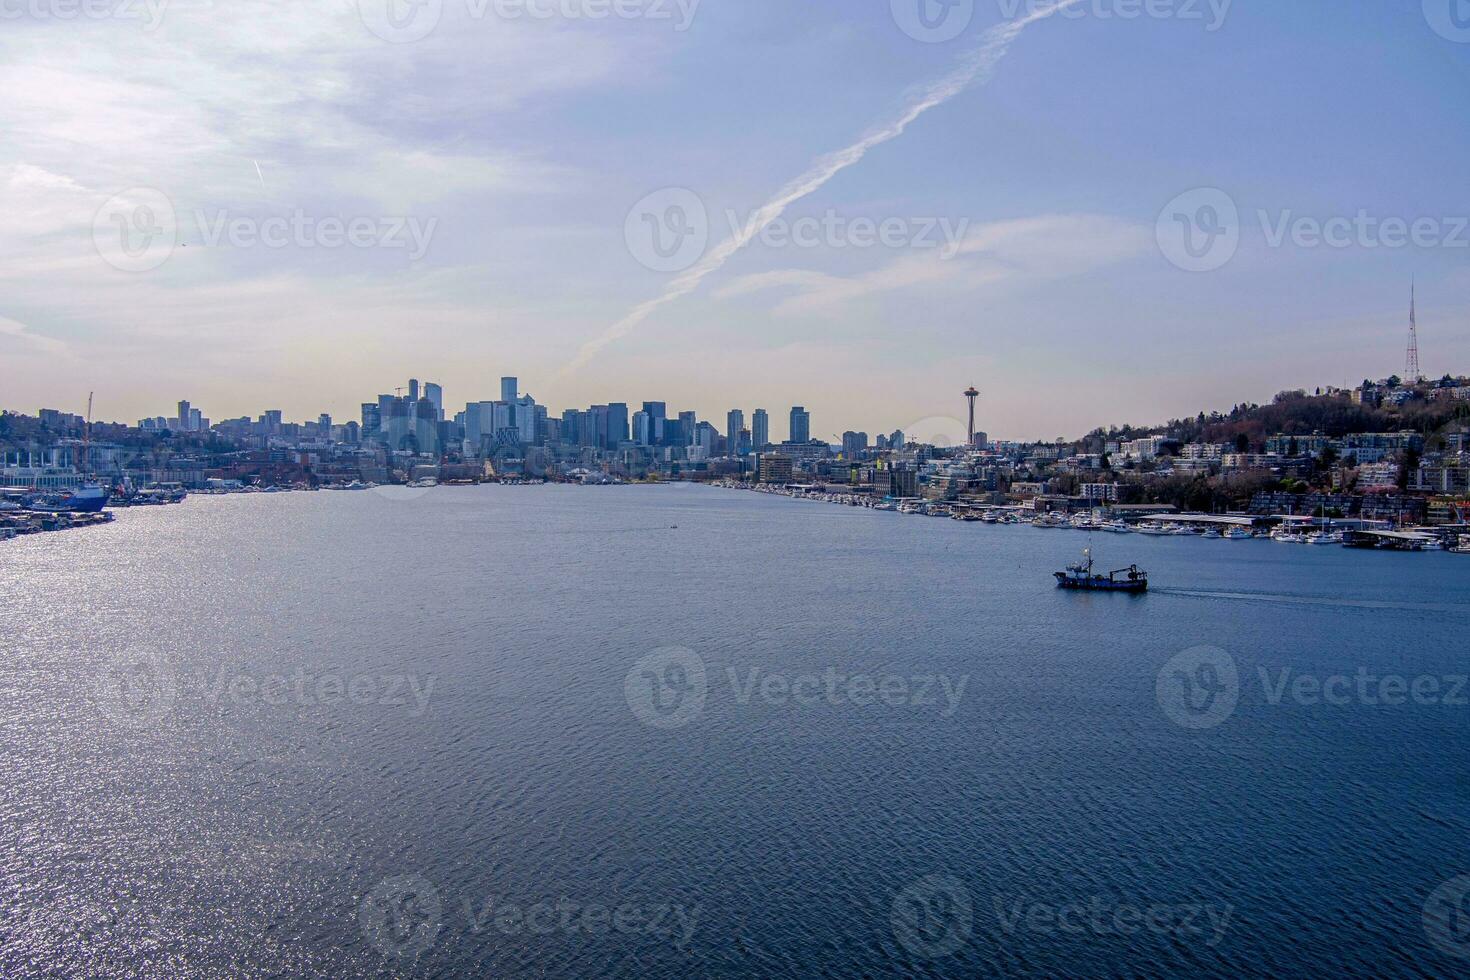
734	423
801	425
760	429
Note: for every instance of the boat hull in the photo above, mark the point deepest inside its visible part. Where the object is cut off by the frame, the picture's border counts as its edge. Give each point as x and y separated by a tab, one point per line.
87	500
1065	581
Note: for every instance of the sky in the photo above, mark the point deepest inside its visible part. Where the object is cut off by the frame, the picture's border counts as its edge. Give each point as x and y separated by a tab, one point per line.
1118	212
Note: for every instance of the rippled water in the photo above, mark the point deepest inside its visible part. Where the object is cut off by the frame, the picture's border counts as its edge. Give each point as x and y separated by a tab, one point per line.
545	731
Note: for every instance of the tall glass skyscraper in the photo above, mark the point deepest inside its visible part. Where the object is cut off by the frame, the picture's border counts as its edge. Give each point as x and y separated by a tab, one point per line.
801	425
734	422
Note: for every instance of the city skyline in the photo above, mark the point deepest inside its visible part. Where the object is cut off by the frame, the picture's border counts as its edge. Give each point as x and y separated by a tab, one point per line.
1028	209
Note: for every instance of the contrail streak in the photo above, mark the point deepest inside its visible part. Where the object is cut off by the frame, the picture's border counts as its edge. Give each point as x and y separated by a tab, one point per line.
976	67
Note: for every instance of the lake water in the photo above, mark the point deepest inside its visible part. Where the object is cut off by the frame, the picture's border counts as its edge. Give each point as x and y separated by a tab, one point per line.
677	731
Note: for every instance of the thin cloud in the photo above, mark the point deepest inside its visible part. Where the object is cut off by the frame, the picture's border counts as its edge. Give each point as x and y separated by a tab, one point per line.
1028	250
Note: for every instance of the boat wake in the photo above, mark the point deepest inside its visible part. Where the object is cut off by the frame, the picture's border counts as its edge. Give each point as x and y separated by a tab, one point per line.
1308	600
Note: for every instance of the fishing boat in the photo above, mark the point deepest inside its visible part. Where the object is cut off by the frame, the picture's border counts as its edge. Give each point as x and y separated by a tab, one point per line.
1080	577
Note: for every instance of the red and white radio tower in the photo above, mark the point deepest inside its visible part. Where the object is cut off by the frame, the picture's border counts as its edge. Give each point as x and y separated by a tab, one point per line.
1411	363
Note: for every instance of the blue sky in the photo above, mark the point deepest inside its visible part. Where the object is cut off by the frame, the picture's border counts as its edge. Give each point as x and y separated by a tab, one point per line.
516	148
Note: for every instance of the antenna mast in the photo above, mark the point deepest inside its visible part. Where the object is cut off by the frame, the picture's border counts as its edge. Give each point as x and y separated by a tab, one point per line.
1411	361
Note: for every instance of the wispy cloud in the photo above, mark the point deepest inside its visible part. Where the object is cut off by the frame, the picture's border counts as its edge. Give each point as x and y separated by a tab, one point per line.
1029	250
15	330
975	69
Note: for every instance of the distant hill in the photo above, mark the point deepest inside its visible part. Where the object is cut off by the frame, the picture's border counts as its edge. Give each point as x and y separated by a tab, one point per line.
1297	413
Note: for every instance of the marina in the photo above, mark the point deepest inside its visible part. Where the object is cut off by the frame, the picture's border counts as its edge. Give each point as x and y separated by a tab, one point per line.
1280	528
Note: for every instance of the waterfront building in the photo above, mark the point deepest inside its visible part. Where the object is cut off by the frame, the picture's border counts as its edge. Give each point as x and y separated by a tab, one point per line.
903	482
774	468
